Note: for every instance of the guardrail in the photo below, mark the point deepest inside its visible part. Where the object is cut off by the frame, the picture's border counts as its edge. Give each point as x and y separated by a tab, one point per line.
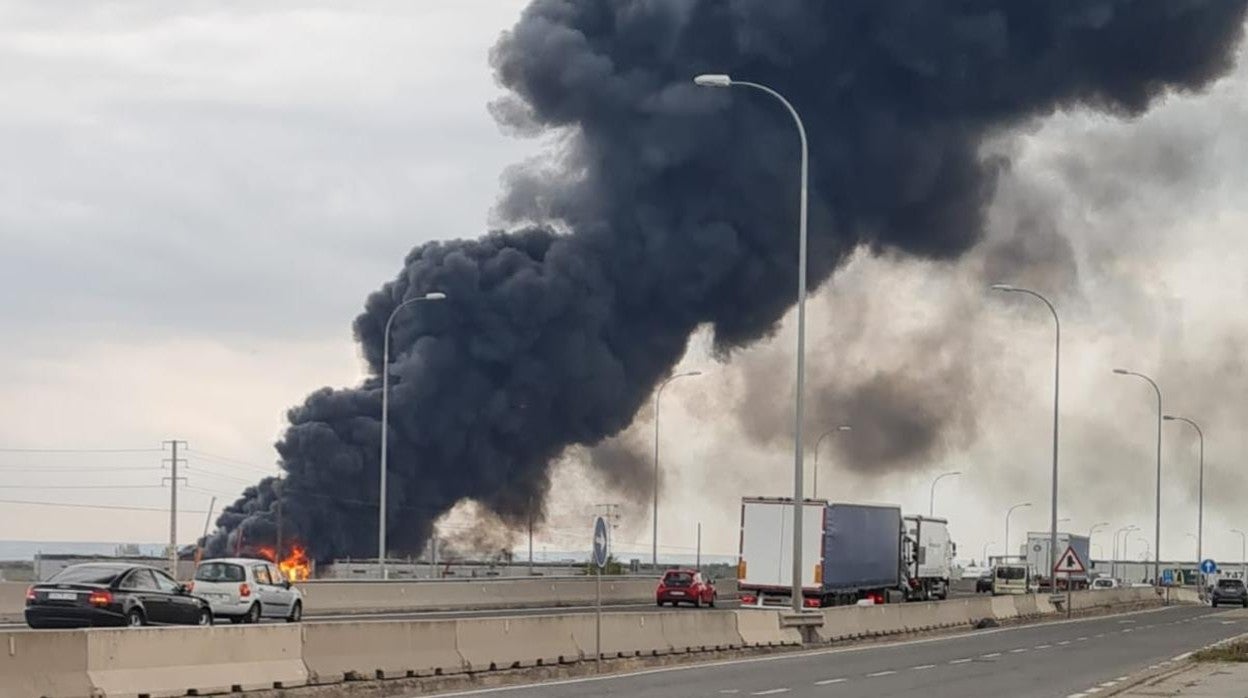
191	661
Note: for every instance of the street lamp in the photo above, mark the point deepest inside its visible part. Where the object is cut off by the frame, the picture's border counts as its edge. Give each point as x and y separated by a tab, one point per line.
385	424
985	556
931	505
1200	496
726	81
1243	551
1147	549
1157	522
1124	532
654	550
1057	382
843	427
1007	525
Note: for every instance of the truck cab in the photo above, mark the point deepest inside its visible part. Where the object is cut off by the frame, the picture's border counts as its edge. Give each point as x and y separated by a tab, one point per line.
1010	578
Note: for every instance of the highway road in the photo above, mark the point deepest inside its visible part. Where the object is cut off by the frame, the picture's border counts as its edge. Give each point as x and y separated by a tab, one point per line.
1070	659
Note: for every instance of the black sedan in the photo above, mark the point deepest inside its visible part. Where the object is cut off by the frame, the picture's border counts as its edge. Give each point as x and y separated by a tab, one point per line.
106	594
984	582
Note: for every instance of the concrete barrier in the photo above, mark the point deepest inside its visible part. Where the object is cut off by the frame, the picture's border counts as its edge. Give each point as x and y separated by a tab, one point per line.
327	597
627	635
762	629
1004	608
182	661
1026	605
489	644
917	617
335	652
698	632
12	600
843	623
43	664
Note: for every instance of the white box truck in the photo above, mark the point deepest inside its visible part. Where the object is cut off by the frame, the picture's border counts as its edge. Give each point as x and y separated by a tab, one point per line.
929	554
850	552
1040	560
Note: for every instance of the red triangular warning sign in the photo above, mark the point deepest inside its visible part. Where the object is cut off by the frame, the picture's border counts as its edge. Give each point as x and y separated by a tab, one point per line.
1069	562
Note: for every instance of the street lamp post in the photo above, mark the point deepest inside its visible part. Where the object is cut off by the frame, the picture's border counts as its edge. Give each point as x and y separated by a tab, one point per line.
1243	551
986	545
726	81
1200	495
815	472
1157	521
931	505
1007	524
1092	531
1121	532
654	549
385	425
1057	383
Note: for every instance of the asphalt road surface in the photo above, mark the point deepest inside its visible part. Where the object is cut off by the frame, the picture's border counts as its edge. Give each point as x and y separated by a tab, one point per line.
1071	659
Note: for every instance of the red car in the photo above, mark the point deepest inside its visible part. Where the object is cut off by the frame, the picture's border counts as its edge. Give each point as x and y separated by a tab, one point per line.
685	586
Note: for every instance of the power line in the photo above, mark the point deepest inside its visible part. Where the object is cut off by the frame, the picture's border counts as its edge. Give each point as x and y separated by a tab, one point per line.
96	506
226	459
80	487
80	450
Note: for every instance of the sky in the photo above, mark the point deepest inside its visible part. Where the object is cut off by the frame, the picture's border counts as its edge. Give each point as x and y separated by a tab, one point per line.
196	200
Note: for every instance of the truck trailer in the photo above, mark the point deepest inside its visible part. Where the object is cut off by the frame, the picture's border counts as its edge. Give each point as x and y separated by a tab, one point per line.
929	557
850	552
1041	560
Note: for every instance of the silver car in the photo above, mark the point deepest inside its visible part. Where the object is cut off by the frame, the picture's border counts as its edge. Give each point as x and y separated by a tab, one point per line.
246	590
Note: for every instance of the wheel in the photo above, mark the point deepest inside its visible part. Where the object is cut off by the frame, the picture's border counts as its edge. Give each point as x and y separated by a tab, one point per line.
712	601
659	604
296	613
205	616
1215	603
253	614
237	619
135	618
697	602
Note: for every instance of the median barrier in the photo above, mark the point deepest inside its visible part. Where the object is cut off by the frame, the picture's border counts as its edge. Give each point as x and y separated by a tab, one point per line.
325	597
187	661
1026	605
626	635
759	628
842	623
698	632
44	664
1044	604
489	644
12	599
919	616
335	652
1004	608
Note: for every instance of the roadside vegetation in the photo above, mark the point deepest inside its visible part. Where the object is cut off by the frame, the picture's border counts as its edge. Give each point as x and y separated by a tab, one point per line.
1233	652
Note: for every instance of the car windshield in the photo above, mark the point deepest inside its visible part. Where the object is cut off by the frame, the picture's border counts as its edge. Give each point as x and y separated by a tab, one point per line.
678	579
1011	573
1230	584
86	574
219	572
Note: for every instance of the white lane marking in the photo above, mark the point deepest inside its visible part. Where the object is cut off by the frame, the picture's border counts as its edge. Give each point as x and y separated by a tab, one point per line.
961	661
880	673
1043	647
772	692
990	655
1181	657
1093	690
1123	622
1020	650
921	667
1120	679
1109	684
791	656
829	682
1064	642
1084	639
1126	630
1228	622
1076	695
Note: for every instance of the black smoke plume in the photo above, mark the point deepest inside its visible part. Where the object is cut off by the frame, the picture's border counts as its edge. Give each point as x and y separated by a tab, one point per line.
668	207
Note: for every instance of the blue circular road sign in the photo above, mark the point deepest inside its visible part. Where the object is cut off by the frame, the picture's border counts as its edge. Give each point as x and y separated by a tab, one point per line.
1208	567
602	542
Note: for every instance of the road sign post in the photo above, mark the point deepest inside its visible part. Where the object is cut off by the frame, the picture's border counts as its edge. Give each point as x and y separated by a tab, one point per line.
602	550
1071	564
1207	567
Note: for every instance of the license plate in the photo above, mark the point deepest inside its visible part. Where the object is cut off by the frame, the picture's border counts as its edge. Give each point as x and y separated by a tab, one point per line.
678	593
62	596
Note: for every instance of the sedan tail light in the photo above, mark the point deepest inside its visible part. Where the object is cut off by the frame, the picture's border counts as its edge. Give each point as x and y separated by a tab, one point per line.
244	590
100	598
810	603
30	594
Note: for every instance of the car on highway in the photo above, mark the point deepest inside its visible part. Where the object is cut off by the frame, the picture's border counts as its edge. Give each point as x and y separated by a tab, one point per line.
246	590
113	594
983	583
1012	579
1105	583
685	586
1230	591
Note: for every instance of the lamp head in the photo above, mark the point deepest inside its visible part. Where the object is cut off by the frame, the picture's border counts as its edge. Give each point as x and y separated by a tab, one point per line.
712	80
1121	371
1003	287
435	296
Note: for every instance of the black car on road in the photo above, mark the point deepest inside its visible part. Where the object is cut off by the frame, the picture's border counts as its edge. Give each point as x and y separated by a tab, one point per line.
1230	591
108	594
984	582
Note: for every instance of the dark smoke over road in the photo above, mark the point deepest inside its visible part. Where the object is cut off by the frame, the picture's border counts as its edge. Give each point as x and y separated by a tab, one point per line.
668	207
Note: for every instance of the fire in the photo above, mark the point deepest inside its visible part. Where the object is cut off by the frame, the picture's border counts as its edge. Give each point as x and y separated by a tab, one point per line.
296	566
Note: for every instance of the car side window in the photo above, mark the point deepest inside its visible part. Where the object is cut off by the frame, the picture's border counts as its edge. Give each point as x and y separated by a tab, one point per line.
276	575
139	580
165	583
262	575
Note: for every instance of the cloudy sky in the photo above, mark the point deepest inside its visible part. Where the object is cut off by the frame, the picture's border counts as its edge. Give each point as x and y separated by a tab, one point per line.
194	204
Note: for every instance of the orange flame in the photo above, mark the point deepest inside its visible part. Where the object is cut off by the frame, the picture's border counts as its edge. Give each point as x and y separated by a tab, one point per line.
296	566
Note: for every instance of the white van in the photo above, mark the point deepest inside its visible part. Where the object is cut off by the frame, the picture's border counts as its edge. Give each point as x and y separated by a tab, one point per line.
1011	579
246	590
